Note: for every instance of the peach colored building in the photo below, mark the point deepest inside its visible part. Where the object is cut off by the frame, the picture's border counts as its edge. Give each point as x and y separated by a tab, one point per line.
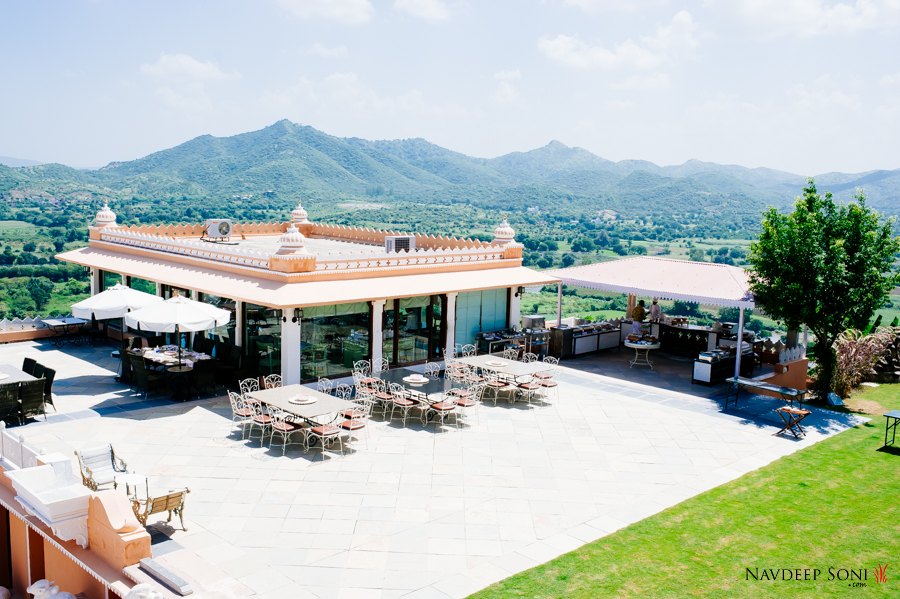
309	299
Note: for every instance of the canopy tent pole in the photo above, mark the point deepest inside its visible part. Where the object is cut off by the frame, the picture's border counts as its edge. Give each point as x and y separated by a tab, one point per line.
740	345
559	304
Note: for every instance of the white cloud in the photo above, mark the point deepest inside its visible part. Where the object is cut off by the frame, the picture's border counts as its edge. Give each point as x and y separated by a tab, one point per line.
182	81
889	80
646	53
506	90
184	66
429	10
346	94
644	82
324	51
819	17
351	12
612	5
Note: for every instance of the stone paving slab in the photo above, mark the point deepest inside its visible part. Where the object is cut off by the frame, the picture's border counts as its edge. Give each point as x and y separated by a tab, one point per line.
418	513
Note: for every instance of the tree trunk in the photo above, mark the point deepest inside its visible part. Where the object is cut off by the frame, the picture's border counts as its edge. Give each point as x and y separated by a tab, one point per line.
826	360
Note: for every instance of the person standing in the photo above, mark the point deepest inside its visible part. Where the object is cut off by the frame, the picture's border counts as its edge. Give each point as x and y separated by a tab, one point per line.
655	311
638	313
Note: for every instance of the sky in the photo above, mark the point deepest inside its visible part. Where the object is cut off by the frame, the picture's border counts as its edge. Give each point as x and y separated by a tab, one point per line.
806	86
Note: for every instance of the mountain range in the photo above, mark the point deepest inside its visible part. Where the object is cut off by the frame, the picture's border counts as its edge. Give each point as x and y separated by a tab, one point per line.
286	160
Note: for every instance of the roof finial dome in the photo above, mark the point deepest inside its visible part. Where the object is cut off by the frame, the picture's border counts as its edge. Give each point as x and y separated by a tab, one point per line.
105	217
292	242
504	234
299	215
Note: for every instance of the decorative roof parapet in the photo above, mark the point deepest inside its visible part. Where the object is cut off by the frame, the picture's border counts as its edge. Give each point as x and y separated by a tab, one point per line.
185	247
376	237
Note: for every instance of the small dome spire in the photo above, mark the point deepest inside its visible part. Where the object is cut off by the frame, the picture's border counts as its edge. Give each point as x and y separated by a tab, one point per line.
504	234
292	242
105	217
299	215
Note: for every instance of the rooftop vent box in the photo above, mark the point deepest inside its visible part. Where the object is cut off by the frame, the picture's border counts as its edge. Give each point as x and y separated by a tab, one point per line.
218	229
397	243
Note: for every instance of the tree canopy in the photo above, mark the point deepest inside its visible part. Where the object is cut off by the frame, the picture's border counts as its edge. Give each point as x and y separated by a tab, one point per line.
825	265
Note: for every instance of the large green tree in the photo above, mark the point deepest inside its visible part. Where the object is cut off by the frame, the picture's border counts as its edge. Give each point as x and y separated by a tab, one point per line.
825	265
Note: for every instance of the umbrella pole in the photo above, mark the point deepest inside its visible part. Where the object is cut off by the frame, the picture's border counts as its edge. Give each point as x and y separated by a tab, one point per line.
178	340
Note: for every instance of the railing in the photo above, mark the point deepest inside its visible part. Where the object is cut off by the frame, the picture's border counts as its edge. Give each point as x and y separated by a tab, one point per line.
23	324
184	247
419	257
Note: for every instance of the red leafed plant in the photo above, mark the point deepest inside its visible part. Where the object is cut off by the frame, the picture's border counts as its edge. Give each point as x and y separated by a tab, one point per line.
857	356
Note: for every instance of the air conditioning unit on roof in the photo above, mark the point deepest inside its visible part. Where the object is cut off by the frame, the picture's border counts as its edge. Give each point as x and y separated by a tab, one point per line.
218	229
397	243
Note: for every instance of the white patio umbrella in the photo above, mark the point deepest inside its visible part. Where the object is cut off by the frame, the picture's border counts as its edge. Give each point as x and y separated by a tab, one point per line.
178	315
114	302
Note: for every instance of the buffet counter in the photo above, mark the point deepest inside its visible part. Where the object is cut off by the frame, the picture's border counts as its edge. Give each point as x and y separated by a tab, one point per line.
566	342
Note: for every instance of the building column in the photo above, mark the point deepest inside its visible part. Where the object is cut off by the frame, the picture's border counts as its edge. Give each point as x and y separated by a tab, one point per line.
96	281
239	323
559	304
290	349
450	320
740	345
377	334
514	312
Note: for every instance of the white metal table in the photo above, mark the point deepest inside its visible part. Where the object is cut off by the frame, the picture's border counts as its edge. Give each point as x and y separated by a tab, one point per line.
641	353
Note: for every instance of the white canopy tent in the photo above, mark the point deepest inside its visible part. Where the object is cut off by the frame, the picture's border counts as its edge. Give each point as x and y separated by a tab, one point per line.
114	302
178	315
665	278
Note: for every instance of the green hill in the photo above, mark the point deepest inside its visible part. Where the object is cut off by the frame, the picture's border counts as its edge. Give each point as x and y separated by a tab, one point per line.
286	160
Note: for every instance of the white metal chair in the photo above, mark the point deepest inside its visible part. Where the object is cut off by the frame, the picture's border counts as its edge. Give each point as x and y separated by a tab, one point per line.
343	391
272	381
400	400
433	369
324	385
357	418
493	387
529	357
442	410
511	353
249	385
531	390
284	426
261	420
241	412
382	396
324	434
467	350
470	400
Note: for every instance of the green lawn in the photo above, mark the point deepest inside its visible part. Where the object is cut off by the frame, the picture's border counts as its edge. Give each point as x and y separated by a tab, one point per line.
833	505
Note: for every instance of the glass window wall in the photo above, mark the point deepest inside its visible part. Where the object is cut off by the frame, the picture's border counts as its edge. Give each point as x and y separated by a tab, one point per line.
413	329
262	339
224	334
480	311
142	285
333	338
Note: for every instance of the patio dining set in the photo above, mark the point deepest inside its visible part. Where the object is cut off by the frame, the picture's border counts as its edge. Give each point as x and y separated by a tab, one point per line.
26	391
334	414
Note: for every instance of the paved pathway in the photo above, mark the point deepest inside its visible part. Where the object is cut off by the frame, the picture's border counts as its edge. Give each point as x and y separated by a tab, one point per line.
417	513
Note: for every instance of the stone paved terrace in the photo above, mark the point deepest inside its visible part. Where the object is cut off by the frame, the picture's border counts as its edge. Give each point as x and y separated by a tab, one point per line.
416	514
